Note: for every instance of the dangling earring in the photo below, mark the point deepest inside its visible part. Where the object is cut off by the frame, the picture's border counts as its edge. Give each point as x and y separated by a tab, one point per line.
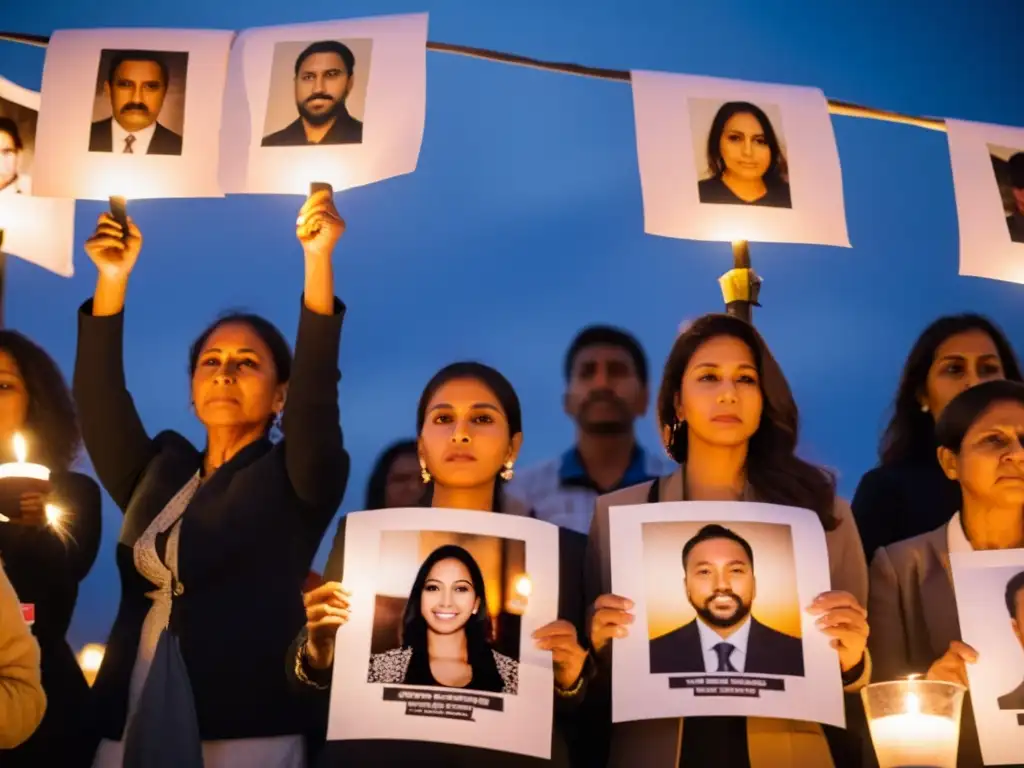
507	473
423	472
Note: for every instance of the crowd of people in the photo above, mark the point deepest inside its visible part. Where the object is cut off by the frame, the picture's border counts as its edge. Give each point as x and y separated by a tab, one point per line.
222	650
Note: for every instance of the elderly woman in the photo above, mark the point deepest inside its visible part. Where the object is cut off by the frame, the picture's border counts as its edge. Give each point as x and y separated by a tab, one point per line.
216	541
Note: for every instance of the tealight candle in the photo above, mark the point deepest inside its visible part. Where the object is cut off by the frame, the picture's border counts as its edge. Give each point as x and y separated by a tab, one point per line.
22	468
18	478
914	722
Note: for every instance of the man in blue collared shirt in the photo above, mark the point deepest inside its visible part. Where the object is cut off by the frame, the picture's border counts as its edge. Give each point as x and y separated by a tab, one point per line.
606	392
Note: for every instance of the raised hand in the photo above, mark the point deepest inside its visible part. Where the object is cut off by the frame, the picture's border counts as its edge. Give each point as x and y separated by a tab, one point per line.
568	656
319	225
114	253
611	619
33	510
951	667
327	609
845	620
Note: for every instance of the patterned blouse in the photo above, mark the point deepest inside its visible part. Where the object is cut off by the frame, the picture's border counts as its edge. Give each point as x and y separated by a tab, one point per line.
391	666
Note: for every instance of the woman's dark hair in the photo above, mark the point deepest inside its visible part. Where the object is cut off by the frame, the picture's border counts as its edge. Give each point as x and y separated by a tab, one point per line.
8	126
910	434
376	488
266	330
777	171
774	471
966	408
51	419
413	632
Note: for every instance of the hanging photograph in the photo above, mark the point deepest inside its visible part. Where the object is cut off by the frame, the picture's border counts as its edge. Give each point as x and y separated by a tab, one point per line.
988	177
447	583
721	626
37	229
989	588
341	102
132	112
731	160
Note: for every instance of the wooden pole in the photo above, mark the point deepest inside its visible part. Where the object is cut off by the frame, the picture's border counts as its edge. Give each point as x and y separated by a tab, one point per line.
741	285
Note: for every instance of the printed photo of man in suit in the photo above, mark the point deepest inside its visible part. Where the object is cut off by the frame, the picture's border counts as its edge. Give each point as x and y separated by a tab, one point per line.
718	576
323	81
1015	605
136	86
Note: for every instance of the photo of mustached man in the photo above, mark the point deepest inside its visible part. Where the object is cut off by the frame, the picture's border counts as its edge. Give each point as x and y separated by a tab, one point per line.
323	81
718	576
136	85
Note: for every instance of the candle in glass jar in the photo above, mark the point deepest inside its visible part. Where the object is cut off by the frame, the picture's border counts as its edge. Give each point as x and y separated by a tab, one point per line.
914	739
22	468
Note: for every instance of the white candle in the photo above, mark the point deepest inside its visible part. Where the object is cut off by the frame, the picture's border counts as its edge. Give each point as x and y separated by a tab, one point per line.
915	739
21	468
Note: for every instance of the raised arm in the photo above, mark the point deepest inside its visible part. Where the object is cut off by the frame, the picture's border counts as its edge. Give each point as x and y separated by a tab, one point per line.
113	433
315	455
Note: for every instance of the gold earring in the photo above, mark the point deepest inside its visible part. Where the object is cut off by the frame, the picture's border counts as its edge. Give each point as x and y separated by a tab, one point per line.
507	473
424	473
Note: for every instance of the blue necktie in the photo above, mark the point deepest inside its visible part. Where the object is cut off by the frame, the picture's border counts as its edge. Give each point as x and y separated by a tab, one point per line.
724	651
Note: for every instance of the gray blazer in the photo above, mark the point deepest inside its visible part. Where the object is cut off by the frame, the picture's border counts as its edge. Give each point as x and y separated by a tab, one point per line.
913	617
772	743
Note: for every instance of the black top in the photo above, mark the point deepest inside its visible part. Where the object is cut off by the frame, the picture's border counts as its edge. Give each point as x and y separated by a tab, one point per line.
345	130
566	738
247	538
45	570
900	501
715	191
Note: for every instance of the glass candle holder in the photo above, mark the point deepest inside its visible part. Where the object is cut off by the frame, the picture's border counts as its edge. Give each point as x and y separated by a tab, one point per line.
914	723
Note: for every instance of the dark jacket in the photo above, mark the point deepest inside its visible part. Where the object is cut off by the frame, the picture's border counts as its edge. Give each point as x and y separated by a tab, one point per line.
345	130
769	652
1012	700
46	569
247	538
414	754
899	501
164	141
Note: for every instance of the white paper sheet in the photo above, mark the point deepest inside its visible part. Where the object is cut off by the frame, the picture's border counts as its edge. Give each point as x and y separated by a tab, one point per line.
388	96
81	145
384	551
674	117
786	668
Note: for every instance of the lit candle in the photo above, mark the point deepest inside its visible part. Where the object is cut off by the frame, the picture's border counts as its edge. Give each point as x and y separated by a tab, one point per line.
89	659
22	468
524	586
913	737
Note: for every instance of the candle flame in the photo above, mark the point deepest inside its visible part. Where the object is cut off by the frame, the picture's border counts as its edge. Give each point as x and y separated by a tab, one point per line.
913	704
89	659
20	448
524	586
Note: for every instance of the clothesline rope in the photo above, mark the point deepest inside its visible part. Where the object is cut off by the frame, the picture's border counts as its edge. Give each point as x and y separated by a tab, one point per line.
835	106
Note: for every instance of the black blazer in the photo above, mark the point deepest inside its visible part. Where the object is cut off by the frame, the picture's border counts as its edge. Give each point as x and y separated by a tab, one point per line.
164	142
247	538
566	738
46	570
1014	699
345	130
769	652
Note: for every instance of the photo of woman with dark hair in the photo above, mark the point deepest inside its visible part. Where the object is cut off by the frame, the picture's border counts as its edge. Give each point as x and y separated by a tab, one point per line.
745	161
444	639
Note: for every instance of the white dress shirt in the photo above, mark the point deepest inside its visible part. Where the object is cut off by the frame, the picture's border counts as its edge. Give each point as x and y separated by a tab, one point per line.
22	185
738	640
142	138
956	539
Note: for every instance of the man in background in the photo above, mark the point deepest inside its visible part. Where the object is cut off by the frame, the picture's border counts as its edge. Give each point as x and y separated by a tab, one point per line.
606	392
136	87
1015	605
12	181
718	575
323	81
1015	221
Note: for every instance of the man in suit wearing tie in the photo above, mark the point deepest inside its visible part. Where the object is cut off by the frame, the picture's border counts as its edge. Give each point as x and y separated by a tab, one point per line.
136	87
323	81
718	576
1015	605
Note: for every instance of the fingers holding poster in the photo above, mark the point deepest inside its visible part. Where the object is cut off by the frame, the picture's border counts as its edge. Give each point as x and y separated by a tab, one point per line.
721	619
730	160
438	647
342	102
132	112
989	589
988	178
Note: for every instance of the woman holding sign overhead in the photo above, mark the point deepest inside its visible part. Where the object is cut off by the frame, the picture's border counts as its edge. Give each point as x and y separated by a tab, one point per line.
729	419
216	541
916	627
470	431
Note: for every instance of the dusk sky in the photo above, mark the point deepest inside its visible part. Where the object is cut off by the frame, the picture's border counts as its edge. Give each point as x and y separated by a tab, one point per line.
523	220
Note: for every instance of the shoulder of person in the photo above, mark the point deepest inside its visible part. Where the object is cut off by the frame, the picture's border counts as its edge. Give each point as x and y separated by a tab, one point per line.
633	494
910	552
175	442
534	478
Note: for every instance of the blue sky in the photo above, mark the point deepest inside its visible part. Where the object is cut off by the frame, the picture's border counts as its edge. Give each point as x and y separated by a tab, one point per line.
523	220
